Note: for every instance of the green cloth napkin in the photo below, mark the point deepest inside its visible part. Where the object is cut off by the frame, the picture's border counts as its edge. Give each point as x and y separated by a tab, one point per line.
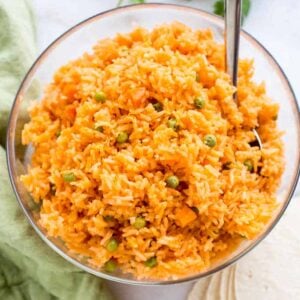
29	269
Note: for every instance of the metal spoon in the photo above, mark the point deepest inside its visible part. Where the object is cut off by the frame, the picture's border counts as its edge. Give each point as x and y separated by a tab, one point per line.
232	41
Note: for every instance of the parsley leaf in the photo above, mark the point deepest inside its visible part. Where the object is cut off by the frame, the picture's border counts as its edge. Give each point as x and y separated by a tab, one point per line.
219	8
120	2
246	8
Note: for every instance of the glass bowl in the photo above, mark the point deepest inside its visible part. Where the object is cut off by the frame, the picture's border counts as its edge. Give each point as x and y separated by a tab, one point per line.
79	39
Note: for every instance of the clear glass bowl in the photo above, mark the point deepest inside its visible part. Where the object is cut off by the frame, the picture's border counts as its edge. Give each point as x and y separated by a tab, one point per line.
79	39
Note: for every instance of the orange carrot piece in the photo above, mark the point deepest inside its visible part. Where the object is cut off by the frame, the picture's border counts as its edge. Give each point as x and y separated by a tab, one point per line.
184	216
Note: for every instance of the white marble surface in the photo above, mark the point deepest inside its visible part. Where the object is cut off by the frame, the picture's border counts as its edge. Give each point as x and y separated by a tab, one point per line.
276	24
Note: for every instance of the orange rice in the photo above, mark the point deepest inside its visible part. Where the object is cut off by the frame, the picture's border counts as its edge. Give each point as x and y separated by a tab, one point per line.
219	201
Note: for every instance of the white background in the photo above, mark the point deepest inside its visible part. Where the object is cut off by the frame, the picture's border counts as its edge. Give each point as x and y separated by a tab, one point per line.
276	24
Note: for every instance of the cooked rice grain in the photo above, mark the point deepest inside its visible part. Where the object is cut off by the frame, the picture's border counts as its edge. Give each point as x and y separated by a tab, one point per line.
172	65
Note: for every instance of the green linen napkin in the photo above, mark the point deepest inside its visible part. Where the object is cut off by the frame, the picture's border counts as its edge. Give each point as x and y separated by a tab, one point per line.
29	269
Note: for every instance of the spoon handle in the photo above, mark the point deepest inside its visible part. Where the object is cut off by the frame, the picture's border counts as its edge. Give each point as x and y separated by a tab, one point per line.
232	37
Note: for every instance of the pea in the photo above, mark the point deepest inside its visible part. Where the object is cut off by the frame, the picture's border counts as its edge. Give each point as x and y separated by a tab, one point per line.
112	245
122	137
99	128
172	181
69	177
199	102
58	133
100	97
139	222
195	209
108	218
110	266
172	123
35	206
249	164
151	262
197	77
210	140
241	235
158	106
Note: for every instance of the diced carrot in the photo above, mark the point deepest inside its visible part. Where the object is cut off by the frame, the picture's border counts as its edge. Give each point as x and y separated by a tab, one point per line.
70	113
184	216
124	40
69	90
139	34
138	96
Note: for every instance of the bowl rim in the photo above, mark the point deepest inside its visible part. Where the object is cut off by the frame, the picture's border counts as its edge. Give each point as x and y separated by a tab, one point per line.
10	153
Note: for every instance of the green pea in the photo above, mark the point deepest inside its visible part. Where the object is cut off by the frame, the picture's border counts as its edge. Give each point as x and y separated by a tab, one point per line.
122	137
199	102
195	209
69	177
249	164
243	236
197	77
99	128
172	123
100	97
108	218
58	133
151	262
172	181
35	206
139	222
158	106
110	266
112	245
210	140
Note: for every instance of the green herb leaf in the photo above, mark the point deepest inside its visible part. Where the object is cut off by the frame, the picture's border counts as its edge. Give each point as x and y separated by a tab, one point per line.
137	1
120	2
245	8
219	8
